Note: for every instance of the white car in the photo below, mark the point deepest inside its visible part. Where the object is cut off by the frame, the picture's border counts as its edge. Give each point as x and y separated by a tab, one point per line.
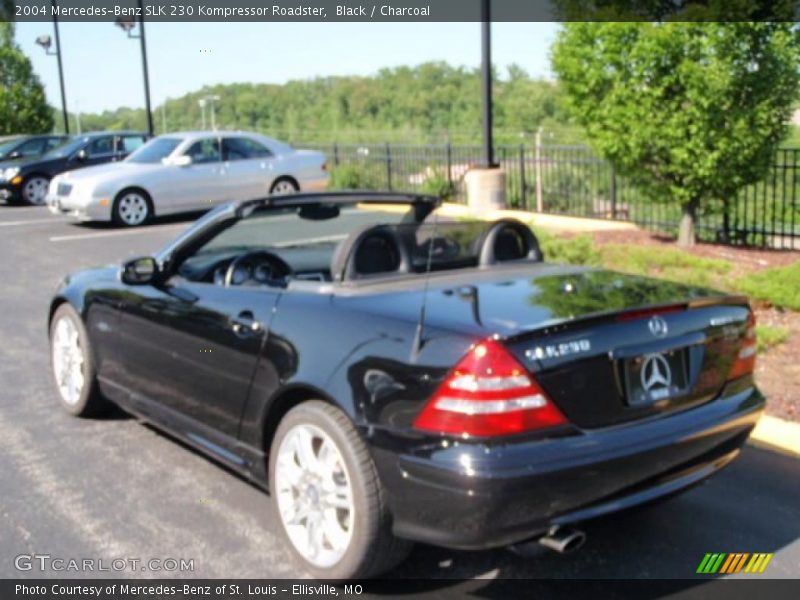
188	171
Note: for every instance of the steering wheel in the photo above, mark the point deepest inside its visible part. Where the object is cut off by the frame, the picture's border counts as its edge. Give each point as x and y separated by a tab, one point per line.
259	267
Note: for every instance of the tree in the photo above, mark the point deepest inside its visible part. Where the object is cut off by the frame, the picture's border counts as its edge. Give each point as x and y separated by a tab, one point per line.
692	112
23	106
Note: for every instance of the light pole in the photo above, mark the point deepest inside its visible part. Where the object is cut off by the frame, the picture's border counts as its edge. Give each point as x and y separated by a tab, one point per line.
45	42
486	83
202	104
211	100
127	26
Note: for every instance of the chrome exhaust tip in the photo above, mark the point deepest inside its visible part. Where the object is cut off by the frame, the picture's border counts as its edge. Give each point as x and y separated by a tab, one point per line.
563	539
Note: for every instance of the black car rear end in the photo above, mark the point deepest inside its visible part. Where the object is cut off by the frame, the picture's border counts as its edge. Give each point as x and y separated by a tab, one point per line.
635	404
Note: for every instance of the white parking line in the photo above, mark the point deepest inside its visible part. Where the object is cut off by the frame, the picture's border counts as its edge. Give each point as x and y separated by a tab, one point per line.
86	236
29	222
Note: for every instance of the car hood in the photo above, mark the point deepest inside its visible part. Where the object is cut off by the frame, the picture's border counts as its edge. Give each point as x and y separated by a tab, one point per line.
511	301
23	163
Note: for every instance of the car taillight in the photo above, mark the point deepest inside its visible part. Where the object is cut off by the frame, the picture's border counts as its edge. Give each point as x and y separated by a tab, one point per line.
745	362
488	393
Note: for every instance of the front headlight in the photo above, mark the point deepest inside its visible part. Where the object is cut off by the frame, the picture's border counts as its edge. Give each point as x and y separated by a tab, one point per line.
10	172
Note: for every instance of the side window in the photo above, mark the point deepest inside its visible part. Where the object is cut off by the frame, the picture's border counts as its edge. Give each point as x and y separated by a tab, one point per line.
53	143
129	143
204	151
101	146
242	149
30	148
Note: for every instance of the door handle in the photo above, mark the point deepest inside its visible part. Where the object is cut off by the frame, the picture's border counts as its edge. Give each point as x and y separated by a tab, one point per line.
245	322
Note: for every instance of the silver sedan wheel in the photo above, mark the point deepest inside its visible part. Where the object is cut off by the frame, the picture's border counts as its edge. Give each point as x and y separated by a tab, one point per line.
35	190
283	187
314	495
68	362
132	209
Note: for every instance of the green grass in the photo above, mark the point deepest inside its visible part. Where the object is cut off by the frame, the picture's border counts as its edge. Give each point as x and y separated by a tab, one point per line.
768	336
780	286
666	263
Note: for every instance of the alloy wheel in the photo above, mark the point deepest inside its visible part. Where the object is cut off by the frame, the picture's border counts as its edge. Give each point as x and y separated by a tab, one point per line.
35	190
68	361
314	495
132	209
283	187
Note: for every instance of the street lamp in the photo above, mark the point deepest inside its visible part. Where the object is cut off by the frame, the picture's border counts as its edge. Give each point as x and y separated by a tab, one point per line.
486	81
210	100
45	42
202	104
127	25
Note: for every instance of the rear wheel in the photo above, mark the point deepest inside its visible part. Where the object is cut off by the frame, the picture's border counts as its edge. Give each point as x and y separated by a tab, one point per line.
34	190
328	497
72	363
131	208
283	186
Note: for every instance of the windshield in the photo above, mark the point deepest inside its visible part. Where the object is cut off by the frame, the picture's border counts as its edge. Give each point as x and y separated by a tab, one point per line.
305	244
70	146
155	151
7	147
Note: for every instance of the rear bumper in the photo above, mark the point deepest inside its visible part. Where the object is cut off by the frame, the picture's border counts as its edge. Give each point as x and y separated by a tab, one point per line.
474	496
314	184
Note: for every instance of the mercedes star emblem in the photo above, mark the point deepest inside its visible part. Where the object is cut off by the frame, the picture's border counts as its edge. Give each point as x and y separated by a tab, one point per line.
658	326
655	371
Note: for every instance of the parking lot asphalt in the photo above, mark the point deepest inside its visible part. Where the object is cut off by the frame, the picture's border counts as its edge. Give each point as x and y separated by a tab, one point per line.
113	488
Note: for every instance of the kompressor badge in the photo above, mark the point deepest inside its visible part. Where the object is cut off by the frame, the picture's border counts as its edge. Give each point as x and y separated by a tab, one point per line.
559	350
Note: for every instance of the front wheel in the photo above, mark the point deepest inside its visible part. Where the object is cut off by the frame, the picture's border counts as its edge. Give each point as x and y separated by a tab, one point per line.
131	208
34	190
328	497
73	365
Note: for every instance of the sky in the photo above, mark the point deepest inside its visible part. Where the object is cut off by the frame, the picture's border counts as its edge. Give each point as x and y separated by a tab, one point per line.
102	67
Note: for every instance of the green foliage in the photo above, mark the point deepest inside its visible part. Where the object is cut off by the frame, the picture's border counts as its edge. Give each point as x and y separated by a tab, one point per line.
574	251
431	102
23	106
437	184
354	176
768	336
691	112
780	286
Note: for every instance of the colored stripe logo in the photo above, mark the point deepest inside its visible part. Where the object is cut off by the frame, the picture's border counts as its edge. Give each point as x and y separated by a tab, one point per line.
728	563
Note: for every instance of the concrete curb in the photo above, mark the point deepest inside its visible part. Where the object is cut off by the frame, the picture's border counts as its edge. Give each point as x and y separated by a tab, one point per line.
776	434
545	221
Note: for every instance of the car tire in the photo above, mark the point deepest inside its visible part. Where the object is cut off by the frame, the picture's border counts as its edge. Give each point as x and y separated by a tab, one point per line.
34	190
132	208
283	186
72	364
370	548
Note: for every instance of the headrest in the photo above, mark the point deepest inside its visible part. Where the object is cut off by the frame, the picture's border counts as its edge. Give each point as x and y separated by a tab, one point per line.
370	250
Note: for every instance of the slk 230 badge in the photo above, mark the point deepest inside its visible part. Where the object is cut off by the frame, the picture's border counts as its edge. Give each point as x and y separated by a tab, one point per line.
559	350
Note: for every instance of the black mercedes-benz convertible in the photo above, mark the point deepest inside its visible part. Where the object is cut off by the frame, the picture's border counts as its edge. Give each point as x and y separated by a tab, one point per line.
390	376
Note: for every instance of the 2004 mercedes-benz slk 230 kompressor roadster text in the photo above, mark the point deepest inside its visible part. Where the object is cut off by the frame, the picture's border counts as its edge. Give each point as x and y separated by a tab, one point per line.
391	377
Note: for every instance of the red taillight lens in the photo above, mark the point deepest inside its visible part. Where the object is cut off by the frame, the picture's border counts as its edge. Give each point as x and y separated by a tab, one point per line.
745	362
488	393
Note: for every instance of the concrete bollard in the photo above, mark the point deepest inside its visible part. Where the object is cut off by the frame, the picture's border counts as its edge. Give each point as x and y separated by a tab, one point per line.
486	189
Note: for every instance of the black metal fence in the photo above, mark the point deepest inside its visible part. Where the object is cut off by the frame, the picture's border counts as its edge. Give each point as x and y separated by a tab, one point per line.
572	180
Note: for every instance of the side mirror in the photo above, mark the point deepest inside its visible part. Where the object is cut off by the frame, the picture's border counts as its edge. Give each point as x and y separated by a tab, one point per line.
81	155
184	160
15	154
140	271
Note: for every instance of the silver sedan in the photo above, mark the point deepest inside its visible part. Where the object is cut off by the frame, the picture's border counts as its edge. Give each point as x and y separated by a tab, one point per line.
182	172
